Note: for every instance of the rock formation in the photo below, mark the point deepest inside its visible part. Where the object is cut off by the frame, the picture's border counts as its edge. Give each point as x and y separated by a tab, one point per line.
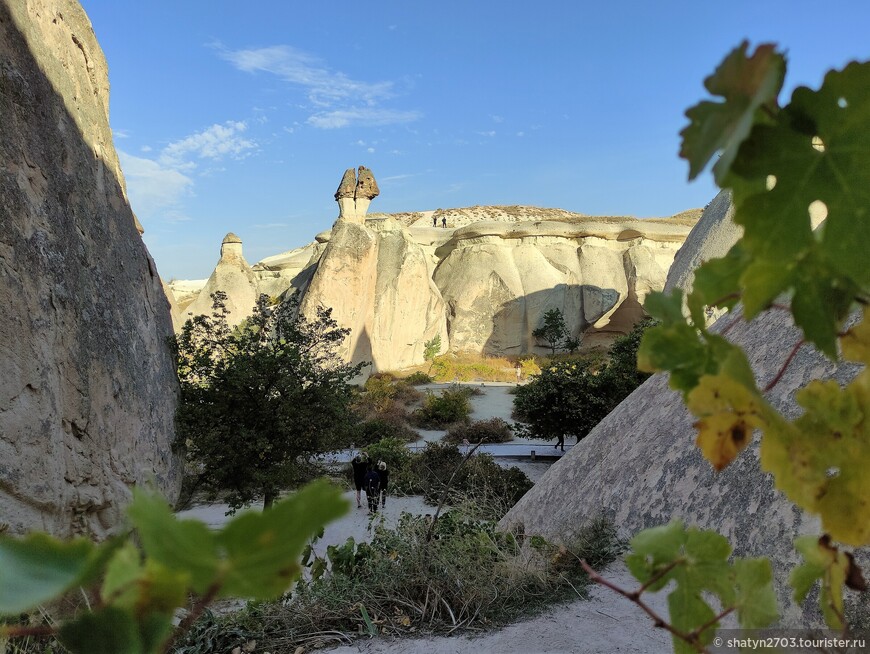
640	466
87	383
355	193
379	284
493	274
233	276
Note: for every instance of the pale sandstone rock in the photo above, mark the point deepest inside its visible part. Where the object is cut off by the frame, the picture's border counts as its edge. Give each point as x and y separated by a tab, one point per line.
233	276
87	383
640	466
378	283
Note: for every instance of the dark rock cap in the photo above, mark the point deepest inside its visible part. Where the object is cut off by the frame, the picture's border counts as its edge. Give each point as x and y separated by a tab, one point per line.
347	186
231	238
366	186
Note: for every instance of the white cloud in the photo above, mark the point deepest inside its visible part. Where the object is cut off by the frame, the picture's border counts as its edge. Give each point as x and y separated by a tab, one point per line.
121	133
497	119
146	148
490	133
323	86
370	150
215	142
153	187
367	116
340	100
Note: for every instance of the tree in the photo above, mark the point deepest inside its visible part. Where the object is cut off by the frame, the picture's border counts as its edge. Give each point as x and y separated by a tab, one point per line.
431	349
555	333
259	401
569	398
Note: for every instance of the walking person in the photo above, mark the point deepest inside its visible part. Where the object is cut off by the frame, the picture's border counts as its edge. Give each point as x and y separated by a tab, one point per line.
372	486
359	464
444	222
384	474
434	221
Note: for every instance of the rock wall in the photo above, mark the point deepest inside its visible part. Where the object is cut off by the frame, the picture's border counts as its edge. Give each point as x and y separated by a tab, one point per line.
378	283
87	385
640	465
493	280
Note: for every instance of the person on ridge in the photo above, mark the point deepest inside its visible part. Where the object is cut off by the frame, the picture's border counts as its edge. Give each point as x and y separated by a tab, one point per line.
384	474
359	464
372	486
444	222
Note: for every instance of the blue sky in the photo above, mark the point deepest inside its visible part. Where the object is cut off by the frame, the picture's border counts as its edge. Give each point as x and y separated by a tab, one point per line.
242	116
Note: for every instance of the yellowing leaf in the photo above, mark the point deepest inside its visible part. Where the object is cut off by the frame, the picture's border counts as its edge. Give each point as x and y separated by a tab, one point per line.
820	461
855	344
826	563
728	413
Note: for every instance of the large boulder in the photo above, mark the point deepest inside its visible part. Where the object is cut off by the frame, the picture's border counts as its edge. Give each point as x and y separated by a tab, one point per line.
640	466
87	384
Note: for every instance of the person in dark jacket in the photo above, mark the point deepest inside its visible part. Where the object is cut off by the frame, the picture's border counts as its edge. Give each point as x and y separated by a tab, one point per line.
360	465
384	474
372	486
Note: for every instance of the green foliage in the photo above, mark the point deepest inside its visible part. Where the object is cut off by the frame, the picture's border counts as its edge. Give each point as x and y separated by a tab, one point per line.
468	574
784	164
698	563
258	401
418	378
568	398
494	430
450	407
431	349
141	583
469	366
554	332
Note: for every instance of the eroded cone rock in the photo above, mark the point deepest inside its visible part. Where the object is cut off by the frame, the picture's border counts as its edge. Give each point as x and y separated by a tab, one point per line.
87	382
232	275
640	466
345	195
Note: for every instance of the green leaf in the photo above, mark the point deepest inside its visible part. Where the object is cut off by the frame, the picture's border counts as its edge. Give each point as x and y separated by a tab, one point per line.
747	84
756	598
183	545
38	568
108	631
826	563
813	156
264	548
121	575
716	281
667	308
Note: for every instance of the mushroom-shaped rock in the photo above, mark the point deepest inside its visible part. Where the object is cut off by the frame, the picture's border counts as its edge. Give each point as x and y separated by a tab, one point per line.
366	191
231	246
344	195
366	186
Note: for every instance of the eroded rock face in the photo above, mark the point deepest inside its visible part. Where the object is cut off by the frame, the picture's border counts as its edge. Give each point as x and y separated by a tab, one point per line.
378	283
640	465
232	275
87	384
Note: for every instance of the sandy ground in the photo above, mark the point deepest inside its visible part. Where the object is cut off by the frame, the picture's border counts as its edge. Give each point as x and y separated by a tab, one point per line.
603	624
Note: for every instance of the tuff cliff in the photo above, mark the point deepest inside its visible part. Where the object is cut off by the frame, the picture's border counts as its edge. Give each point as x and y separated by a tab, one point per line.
640	466
87	384
480	277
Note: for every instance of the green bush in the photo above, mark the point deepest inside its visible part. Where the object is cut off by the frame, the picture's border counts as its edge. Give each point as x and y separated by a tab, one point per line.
467	574
418	378
450	407
371	431
398	458
569	397
494	430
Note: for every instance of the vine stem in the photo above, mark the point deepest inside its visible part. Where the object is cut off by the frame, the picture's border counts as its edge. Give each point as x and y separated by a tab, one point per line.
773	382
634	596
443	497
194	614
14	631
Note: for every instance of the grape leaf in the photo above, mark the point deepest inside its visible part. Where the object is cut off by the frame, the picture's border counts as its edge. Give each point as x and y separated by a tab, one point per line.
182	545
746	84
756	599
37	568
728	413
263	549
820	460
827	564
815	154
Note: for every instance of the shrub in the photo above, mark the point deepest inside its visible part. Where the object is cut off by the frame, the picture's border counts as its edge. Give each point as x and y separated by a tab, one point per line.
451	406
467	574
393	452
469	366
372	431
418	378
494	430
